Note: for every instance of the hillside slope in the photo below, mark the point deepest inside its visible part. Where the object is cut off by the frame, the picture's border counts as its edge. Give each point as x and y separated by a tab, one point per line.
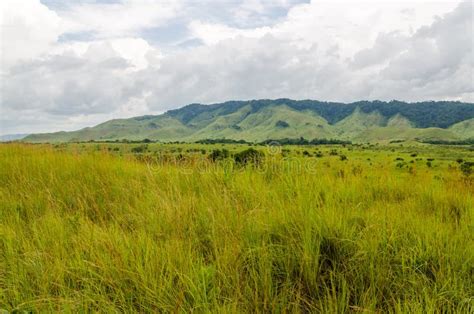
259	120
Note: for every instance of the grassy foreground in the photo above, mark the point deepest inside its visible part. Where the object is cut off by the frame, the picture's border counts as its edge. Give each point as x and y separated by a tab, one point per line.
84	230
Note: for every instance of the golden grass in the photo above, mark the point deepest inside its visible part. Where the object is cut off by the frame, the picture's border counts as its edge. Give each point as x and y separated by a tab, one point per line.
91	231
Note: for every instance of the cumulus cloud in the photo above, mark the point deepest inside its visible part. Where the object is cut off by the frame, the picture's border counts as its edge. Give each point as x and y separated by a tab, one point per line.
328	50
438	60
244	68
28	29
116	19
96	81
386	46
433	62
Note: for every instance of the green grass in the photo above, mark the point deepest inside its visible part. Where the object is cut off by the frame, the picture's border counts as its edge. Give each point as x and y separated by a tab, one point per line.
92	227
464	128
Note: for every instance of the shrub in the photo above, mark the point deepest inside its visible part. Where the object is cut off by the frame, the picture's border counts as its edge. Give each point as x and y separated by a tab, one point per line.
282	124
343	157
401	164
218	154
466	168
285	152
248	156
140	149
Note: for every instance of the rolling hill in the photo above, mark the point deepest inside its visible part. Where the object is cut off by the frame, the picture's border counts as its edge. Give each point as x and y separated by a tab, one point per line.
259	120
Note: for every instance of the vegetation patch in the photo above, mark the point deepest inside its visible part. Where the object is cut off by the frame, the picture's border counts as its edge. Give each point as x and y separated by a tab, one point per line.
282	124
249	156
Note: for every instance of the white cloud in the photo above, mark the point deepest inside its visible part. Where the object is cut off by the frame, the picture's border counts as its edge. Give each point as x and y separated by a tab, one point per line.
123	19
429	62
329	50
211	34
351	25
28	29
386	46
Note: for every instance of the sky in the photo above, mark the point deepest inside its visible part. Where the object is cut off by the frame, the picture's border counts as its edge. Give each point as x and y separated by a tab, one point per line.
71	64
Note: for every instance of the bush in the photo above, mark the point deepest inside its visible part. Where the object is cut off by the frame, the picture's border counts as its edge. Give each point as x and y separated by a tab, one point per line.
140	149
285	152
343	157
466	168
218	154
248	156
401	164
333	152
282	124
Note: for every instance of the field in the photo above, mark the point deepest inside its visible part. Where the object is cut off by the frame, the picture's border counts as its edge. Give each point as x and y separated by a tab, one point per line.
177	228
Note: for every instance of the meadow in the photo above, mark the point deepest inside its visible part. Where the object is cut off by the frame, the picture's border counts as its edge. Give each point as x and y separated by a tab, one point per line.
154	227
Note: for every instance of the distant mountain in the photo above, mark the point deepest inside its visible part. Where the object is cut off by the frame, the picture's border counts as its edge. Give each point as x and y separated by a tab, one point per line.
258	120
12	137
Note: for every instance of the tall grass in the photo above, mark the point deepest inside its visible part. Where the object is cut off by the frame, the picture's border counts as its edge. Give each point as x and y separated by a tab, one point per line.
95	232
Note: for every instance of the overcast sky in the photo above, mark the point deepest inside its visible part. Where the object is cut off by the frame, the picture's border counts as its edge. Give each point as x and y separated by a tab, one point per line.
69	64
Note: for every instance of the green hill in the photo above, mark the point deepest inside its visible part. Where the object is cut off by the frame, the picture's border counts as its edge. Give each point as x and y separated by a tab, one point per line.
259	120
464	128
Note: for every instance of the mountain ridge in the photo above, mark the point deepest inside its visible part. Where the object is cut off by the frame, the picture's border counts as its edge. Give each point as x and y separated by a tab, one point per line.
12	137
258	120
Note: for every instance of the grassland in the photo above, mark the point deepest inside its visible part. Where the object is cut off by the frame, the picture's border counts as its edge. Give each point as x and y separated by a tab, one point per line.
332	229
